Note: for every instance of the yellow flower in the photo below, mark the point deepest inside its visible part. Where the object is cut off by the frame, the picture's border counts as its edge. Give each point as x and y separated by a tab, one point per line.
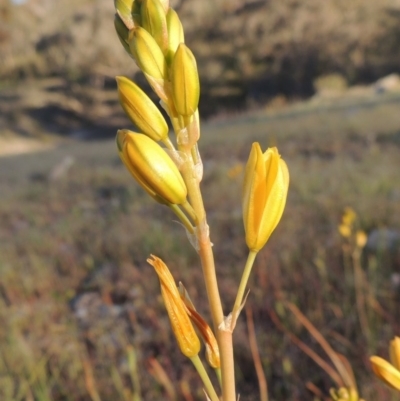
361	238
182	327
345	394
344	230
349	216
264	195
386	372
389	372
152	168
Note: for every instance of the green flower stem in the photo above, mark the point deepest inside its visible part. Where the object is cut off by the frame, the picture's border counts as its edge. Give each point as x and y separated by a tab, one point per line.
243	282
169	145
205	378
219	377
190	211
182	217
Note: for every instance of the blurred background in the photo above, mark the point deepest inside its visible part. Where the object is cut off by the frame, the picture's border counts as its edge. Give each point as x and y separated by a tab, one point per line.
81	316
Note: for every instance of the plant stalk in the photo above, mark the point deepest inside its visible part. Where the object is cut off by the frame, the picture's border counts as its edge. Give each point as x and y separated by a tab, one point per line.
204	378
204	248
243	282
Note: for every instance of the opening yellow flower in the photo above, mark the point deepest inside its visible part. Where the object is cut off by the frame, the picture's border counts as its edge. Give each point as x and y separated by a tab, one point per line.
264	195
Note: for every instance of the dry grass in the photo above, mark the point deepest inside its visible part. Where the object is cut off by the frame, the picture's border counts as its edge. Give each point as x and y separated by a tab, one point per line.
76	294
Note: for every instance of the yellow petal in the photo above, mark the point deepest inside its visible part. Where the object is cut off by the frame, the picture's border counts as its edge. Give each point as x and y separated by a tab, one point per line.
386	372
182	327
256	195
207	335
248	181
395	352
275	204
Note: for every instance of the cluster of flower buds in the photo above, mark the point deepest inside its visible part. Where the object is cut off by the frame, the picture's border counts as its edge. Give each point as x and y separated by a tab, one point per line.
389	372
348	229
152	34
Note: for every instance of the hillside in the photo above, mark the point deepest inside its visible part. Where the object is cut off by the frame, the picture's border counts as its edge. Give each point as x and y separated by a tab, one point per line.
248	51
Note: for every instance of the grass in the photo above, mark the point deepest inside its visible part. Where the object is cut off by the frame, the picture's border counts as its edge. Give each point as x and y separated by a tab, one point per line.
76	293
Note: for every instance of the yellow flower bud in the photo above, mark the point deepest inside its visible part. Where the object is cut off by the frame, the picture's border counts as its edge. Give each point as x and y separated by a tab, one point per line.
344	230
182	327
349	216
141	110
185	81
155	22
124	10
175	33
344	394
264	195
386	372
147	53
395	352
152	167
165	4
361	238
122	32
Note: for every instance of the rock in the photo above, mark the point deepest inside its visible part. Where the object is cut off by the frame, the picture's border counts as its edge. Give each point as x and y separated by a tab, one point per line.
390	83
384	239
